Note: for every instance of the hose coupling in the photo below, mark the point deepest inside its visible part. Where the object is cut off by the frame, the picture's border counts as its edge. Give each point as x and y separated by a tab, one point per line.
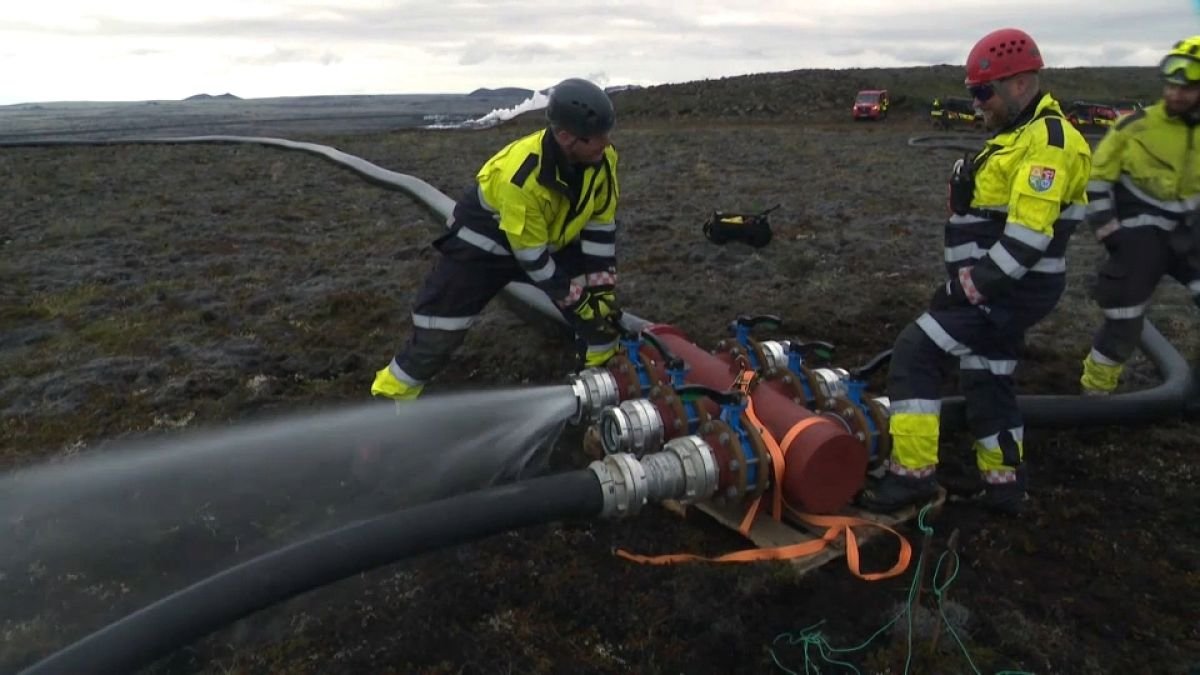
634	426
623	482
686	471
832	382
884	403
595	389
774	355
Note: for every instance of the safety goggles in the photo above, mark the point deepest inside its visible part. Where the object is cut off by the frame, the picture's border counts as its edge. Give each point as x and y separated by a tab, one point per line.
1179	69
982	92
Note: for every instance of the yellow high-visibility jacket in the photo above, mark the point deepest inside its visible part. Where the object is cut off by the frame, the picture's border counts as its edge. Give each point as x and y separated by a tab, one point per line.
528	203
1145	173
1029	195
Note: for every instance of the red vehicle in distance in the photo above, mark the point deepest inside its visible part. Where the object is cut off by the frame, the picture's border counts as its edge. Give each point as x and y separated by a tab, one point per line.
1085	115
870	104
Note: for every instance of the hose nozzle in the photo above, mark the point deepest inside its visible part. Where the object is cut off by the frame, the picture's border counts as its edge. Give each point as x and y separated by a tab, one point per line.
595	389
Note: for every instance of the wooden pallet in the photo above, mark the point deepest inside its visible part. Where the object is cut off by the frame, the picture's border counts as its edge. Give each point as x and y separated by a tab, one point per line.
770	533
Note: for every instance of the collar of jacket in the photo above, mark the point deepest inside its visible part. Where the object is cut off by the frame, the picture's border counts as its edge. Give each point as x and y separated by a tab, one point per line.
1041	105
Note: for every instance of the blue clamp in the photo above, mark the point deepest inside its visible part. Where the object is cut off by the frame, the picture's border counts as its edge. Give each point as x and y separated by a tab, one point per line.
741	328
632	345
731	414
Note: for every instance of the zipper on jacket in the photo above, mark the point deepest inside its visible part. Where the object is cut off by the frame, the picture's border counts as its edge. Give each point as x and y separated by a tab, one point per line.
584	196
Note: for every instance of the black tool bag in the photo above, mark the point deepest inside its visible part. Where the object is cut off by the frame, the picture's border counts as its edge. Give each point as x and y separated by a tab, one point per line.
752	229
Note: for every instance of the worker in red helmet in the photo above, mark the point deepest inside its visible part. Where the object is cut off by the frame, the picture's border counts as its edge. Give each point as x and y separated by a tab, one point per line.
542	210
1144	207
1013	206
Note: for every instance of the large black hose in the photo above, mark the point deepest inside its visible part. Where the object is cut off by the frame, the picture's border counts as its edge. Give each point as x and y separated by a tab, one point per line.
1173	397
182	617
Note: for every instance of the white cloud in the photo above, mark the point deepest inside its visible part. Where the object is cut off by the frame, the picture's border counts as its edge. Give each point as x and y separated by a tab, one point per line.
143	49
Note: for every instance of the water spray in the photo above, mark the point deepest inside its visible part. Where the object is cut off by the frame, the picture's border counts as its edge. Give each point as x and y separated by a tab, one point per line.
617	486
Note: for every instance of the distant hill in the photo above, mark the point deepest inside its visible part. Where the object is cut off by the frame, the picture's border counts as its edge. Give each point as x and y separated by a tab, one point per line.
502	91
209	97
526	93
825	94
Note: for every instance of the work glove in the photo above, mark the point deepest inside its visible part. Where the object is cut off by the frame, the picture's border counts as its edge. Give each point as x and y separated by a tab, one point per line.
594	314
604	301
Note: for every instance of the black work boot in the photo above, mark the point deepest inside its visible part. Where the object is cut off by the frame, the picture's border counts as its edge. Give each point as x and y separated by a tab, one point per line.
1006	498
894	492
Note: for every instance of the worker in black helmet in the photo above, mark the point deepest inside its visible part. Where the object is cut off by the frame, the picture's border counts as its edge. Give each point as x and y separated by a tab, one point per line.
542	210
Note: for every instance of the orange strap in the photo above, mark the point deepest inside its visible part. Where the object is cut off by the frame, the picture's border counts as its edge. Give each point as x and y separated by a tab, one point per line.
744	382
835	525
846	524
777	465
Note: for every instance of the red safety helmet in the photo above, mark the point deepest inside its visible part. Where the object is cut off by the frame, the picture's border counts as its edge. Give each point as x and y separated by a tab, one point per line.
1000	54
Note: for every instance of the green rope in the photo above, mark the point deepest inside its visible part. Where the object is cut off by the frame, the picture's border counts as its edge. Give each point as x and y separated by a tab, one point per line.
815	644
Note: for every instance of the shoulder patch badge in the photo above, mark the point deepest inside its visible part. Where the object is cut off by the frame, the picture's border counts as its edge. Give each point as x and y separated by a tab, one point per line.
1041	178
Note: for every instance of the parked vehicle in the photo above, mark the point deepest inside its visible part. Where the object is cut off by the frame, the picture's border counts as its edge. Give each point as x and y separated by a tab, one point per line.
1127	107
870	104
952	111
1084	114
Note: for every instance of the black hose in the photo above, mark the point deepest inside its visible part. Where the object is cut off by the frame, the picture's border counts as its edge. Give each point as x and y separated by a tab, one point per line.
965	142
1175	396
425	194
437	203
182	617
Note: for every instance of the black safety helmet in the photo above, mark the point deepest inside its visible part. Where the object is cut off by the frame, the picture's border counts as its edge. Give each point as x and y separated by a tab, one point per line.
580	107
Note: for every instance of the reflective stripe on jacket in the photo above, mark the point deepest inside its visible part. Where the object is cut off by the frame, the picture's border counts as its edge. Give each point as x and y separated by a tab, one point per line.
1029	195
528	203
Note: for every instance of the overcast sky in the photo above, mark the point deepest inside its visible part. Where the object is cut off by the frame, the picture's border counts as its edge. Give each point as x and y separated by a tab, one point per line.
59	50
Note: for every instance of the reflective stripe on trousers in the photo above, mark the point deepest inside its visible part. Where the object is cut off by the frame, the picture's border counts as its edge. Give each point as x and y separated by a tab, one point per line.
984	343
